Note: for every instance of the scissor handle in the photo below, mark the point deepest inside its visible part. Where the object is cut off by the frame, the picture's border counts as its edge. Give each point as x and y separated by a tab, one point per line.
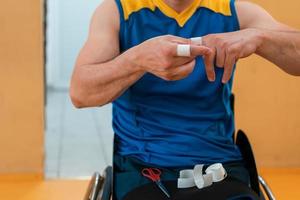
152	173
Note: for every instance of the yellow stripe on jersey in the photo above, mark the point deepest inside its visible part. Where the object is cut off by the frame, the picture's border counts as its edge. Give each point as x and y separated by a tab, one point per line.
182	17
131	6
218	6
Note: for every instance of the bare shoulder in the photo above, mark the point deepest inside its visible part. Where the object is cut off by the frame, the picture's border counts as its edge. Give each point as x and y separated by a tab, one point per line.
252	15
106	15
102	43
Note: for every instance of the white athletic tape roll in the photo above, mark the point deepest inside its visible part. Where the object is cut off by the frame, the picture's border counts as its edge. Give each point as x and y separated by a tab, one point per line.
198	171
186	182
186	179
206	181
217	171
190	178
188	173
201	180
196	40
184	50
198	176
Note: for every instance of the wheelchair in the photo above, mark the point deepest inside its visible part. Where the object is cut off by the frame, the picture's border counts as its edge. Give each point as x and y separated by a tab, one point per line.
100	186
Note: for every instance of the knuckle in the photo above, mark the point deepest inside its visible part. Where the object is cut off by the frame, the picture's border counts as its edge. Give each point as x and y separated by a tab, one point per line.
223	44
210	36
217	39
209	70
232	50
166	50
213	52
167	37
166	64
207	39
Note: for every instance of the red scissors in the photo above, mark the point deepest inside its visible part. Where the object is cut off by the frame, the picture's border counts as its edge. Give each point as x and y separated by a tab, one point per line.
154	175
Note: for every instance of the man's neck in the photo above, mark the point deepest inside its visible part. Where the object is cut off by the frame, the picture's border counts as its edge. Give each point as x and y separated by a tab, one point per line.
179	5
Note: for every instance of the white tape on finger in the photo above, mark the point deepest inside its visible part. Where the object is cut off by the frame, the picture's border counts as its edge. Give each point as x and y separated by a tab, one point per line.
184	50
197	40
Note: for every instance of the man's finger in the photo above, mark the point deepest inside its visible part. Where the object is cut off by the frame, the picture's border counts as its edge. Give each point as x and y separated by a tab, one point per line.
209	61
220	58
179	40
183	70
200	50
187	50
197	41
178	61
228	68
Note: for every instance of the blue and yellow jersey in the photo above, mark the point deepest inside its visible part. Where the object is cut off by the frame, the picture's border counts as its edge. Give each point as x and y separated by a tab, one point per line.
175	123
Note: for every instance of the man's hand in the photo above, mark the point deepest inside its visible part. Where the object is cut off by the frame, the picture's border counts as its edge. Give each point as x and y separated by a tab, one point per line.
261	34
159	57
227	48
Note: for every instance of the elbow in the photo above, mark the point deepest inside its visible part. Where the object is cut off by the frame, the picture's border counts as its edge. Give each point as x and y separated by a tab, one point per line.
75	92
78	93
82	96
81	99
76	98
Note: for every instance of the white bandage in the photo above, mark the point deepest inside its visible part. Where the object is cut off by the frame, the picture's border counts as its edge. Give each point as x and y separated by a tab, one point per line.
190	178
184	50
197	41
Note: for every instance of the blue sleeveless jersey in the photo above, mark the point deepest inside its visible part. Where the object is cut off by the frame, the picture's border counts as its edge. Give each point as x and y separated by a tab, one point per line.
175	123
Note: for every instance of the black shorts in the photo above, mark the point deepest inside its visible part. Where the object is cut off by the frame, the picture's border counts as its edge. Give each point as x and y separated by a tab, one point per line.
127	174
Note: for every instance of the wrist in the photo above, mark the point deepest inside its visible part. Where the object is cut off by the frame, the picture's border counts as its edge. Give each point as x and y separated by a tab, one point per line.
260	38
132	59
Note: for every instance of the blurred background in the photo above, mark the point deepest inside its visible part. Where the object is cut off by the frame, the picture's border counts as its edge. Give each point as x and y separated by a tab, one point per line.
42	136
81	138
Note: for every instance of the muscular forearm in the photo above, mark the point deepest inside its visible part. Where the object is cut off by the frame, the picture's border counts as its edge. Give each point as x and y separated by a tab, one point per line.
98	84
282	48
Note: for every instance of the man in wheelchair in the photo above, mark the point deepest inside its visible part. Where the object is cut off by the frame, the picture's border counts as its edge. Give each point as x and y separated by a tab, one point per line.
167	66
